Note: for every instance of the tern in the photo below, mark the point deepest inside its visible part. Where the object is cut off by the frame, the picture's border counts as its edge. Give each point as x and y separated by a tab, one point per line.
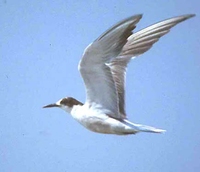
103	69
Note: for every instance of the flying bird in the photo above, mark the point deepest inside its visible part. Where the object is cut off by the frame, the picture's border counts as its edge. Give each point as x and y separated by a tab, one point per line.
103	69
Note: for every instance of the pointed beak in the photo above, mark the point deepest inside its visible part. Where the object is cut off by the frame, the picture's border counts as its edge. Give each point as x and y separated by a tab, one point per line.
51	105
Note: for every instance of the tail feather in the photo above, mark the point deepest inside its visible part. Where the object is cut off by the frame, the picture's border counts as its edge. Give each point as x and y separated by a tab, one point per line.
144	128
150	129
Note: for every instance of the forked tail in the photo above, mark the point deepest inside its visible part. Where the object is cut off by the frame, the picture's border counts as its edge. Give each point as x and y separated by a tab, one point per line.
144	128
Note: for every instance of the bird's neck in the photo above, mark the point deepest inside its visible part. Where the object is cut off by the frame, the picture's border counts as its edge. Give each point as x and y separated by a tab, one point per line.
74	109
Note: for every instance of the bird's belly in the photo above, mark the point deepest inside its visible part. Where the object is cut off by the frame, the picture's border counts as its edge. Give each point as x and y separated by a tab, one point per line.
105	125
98	125
97	121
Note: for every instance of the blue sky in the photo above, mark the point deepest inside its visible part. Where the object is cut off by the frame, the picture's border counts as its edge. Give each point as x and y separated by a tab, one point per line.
41	43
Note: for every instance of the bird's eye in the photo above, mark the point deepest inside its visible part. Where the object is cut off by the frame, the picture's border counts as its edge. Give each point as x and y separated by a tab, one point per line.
64	101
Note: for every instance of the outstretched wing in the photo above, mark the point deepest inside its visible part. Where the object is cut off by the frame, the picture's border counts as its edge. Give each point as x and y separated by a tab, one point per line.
143	40
100	86
137	44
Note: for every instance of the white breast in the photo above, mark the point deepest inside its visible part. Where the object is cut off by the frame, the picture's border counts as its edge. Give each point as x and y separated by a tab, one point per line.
97	121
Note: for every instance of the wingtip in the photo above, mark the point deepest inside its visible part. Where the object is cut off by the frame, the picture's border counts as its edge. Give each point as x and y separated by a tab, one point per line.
191	15
187	16
139	15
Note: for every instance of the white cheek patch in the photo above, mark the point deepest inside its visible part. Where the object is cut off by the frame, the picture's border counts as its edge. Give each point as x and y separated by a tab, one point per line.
66	108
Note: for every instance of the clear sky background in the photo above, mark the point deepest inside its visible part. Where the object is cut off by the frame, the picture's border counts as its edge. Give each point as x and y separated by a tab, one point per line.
41	43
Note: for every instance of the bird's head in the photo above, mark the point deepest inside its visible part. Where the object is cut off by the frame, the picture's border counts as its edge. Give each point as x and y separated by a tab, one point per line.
66	104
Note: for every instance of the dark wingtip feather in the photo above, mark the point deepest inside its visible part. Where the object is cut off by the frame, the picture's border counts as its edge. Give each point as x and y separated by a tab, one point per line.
135	19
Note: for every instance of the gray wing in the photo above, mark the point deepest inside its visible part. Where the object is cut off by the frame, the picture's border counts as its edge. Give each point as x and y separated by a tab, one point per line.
100	86
118	69
137	44
143	40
